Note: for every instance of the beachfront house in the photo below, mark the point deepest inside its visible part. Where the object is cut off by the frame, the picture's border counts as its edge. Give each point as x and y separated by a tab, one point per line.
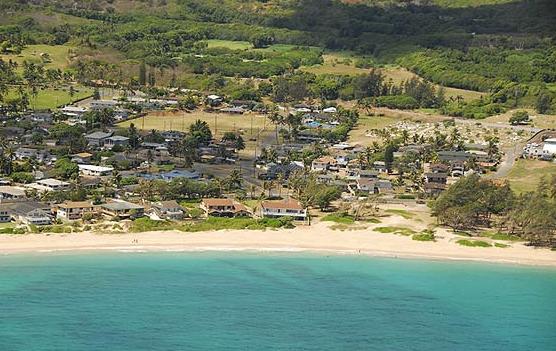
27	212
168	210
223	208
121	209
283	208
74	210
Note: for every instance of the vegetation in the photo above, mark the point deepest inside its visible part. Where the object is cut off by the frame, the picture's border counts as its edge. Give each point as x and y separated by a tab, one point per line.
425	235
473	202
395	230
218	223
473	243
340	218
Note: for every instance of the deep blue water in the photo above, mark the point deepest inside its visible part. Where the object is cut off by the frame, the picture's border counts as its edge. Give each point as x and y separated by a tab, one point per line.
215	301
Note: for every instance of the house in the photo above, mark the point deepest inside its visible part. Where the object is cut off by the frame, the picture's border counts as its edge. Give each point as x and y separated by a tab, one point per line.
283	208
11	193
95	171
74	210
549	146
49	184
214	100
323	164
174	174
168	210
224	208
97	139
116	140
440	178
367	174
41	117
23	153
82	157
233	110
330	110
122	209
380	166
73	111
450	156
27	212
103	104
439	168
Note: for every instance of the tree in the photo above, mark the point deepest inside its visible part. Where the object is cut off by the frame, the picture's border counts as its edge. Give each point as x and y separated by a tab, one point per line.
543	103
201	132
142	73
519	117
133	135
261	40
325	196
66	169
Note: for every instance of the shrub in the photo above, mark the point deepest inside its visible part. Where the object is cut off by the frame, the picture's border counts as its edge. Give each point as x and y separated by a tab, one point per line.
473	243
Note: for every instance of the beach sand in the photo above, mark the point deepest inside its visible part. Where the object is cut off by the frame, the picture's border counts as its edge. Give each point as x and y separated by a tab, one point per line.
316	238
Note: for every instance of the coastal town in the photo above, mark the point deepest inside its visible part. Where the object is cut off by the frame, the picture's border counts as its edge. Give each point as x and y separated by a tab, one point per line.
94	165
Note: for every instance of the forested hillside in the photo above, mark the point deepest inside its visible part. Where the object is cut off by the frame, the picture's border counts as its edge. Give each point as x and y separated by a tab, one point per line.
504	48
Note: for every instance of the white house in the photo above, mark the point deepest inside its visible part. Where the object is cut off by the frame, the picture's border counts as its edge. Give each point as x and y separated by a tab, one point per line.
49	184
283	208
95	171
550	146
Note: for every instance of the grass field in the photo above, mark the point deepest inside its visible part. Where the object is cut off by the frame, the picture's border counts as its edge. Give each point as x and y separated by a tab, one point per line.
248	124
526	174
367	123
229	44
58	55
51	98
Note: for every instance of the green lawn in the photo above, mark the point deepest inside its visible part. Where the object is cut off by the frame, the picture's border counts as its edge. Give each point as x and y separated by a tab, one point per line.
51	98
230	44
526	174
58	54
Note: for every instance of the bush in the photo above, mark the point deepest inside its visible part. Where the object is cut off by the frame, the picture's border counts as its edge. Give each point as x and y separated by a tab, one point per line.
402	102
341	217
473	243
425	235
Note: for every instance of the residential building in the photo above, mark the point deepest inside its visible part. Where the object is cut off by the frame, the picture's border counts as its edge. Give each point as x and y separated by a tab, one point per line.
97	139
223	208
27	212
49	184
440	178
283	208
550	146
323	164
168	210
122	209
74	210
11	193
95	171
116	140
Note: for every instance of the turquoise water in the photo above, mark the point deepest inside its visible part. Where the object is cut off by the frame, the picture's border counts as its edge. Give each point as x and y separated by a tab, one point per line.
211	301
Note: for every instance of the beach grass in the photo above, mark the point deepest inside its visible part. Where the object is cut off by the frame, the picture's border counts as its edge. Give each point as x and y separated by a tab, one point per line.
502	246
217	223
395	230
425	235
340	218
402	213
500	236
473	243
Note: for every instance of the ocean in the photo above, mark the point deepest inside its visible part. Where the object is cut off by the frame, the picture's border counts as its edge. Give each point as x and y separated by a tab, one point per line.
273	301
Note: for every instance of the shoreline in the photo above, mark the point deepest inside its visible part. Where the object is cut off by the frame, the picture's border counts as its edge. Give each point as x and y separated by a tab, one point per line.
318	239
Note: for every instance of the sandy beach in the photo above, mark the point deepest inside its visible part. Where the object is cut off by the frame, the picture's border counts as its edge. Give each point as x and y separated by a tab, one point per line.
316	238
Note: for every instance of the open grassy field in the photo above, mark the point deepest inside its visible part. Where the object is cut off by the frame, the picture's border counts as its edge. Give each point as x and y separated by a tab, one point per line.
248	124
537	120
229	44
367	123
51	98
58	55
526	174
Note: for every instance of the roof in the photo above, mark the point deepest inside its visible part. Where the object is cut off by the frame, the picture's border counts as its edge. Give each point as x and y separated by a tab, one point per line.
282	204
83	154
98	135
96	168
167	204
121	205
218	202
436	175
118	138
12	190
52	182
75	204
